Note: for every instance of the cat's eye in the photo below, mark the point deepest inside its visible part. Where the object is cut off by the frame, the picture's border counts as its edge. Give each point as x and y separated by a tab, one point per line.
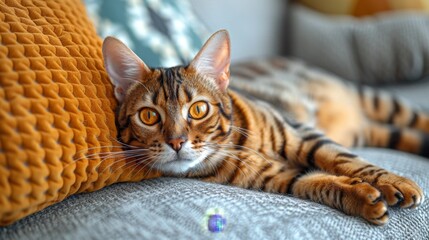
199	110
149	116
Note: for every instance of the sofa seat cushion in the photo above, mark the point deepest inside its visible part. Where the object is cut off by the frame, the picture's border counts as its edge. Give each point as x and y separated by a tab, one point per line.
172	208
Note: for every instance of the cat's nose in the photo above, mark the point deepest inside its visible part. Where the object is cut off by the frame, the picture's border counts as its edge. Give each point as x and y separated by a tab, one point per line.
176	143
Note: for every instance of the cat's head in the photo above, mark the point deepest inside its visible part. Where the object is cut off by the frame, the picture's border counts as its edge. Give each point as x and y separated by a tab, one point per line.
174	118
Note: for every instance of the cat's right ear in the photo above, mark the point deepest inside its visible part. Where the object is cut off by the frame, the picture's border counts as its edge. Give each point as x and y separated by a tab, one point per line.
213	60
123	66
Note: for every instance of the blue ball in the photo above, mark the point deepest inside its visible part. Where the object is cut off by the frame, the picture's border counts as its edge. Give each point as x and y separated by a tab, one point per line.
216	223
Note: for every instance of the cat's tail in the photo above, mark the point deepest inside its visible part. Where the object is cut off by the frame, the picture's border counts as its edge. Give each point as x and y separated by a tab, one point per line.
384	108
403	139
394	123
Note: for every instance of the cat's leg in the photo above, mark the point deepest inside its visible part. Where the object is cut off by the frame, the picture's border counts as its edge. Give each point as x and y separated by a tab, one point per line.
349	195
383	107
313	149
403	139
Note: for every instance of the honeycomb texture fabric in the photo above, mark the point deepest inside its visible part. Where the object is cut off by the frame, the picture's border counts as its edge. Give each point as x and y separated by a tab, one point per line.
57	122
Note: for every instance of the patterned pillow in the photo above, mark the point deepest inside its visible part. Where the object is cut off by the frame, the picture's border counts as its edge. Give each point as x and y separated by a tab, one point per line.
57	121
163	33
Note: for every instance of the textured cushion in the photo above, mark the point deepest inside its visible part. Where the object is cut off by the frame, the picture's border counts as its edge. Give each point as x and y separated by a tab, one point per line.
56	107
387	48
163	33
171	208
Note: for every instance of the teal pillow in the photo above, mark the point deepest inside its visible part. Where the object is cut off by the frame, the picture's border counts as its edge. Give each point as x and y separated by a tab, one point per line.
163	33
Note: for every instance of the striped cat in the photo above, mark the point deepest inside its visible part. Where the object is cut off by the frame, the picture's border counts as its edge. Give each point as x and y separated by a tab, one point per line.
285	132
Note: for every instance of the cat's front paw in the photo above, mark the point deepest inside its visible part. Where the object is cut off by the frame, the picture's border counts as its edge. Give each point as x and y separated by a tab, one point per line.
364	200
399	191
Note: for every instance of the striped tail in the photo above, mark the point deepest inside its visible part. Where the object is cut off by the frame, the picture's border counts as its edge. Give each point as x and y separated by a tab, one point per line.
403	139
384	108
395	124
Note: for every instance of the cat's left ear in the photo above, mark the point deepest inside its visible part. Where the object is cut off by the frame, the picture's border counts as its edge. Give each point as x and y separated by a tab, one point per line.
123	66
213	60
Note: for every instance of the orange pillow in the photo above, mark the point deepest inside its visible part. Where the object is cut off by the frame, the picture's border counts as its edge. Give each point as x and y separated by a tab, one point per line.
57	121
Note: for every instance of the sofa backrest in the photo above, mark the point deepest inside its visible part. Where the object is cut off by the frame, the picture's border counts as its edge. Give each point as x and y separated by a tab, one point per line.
257	28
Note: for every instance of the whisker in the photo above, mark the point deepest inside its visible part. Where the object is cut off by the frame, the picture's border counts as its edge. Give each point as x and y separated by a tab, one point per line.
249	166
122	143
242	130
129	79
151	167
148	172
109	166
98	155
118	168
99	147
211	165
236	166
108	155
234	146
91	157
134	162
136	153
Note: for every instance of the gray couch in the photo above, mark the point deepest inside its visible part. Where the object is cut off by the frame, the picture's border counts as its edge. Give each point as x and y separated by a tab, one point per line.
171	208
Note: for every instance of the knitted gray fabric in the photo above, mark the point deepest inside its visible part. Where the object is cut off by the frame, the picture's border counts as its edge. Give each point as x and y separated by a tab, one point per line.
171	208
386	48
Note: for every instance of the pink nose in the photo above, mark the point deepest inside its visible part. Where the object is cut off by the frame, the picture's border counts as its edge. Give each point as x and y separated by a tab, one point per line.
176	143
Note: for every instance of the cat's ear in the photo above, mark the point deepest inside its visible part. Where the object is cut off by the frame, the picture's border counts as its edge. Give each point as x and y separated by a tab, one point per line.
213	59
123	66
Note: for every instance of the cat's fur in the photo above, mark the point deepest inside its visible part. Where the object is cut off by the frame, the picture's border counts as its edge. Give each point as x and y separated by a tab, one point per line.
295	145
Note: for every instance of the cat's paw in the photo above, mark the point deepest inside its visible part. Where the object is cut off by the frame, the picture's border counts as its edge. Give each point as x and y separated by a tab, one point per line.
364	200
399	191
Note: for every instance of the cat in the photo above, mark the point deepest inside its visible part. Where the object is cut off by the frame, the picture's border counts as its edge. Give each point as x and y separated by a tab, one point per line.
282	132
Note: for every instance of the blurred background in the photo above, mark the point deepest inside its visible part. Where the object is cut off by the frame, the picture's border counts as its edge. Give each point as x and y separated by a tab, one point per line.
383	43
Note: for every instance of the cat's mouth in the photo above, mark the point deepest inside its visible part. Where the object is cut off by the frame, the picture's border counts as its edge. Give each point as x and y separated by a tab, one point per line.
181	162
178	158
177	165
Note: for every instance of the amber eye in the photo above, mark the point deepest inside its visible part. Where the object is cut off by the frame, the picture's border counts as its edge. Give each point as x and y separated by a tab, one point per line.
149	116
198	110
